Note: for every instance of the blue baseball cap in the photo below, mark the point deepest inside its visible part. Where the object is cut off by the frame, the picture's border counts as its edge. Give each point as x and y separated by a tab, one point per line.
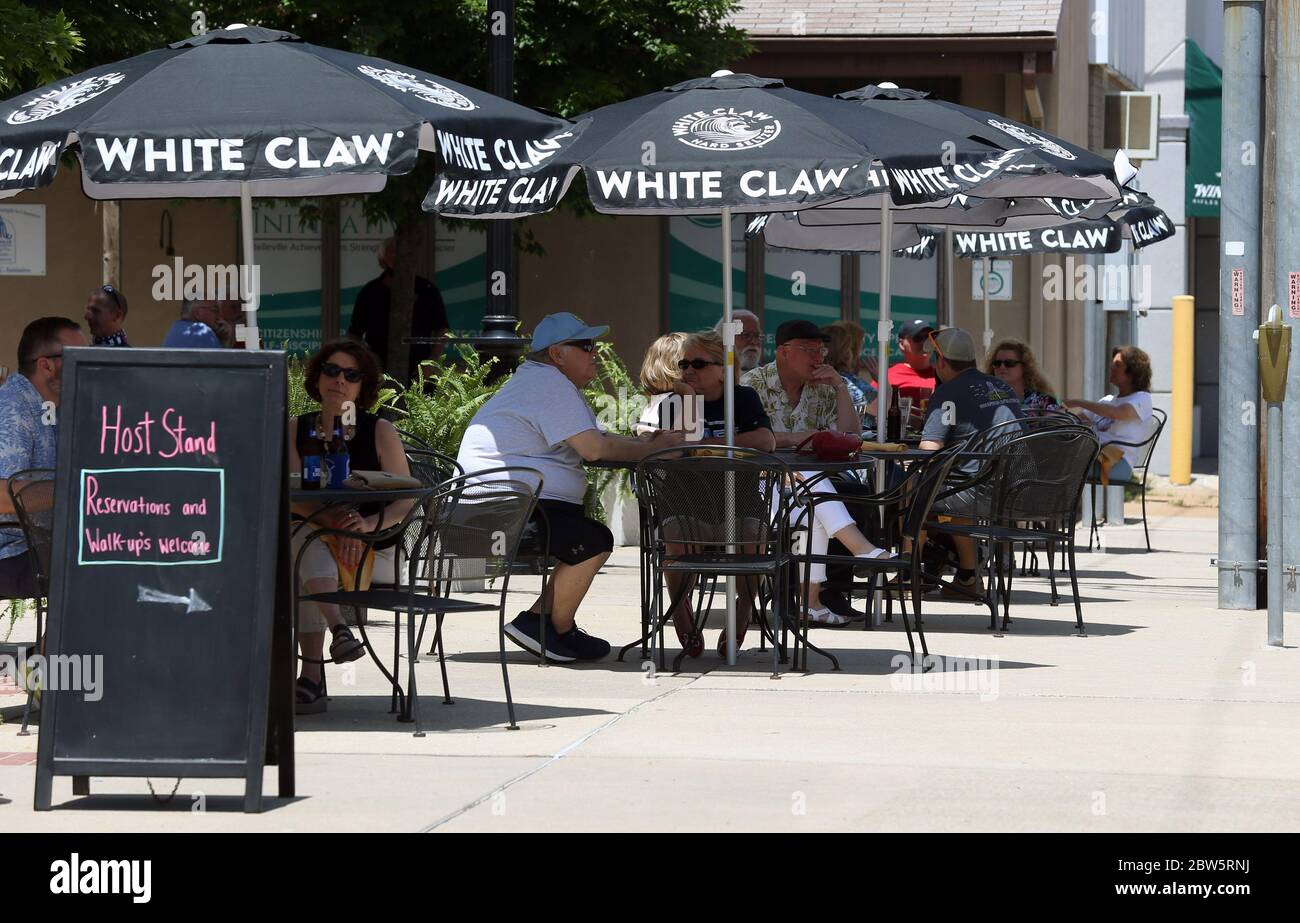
561	328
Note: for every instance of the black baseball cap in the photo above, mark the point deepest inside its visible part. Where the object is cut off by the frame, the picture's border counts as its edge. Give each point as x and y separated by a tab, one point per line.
914	328
799	330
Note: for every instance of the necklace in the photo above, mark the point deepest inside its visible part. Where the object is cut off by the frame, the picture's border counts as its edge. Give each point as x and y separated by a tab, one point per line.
349	430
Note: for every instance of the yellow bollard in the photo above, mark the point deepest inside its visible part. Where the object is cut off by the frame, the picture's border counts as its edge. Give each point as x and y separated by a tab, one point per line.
1184	390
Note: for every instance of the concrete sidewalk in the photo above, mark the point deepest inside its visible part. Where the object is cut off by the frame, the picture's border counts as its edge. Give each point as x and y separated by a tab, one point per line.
1169	715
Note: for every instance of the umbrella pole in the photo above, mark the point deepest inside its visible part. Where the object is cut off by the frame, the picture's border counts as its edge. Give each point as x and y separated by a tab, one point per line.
988	320
884	342
248	332
729	412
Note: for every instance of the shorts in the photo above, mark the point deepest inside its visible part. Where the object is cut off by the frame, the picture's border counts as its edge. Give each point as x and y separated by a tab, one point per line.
573	537
318	564
1120	473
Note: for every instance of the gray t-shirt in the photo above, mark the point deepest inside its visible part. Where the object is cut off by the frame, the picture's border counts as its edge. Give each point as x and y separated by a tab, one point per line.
525	424
970	403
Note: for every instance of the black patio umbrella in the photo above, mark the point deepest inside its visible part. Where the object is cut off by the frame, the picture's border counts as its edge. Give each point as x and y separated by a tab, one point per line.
1058	167
246	111
749	144
1136	219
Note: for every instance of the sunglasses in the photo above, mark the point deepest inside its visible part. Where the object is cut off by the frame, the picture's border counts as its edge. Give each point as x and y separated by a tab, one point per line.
585	345
330	370
112	293
935	344
1006	363
697	364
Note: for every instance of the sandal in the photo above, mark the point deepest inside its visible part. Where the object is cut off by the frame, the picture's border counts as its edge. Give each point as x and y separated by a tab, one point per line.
308	697
692	644
876	557
825	618
722	641
345	647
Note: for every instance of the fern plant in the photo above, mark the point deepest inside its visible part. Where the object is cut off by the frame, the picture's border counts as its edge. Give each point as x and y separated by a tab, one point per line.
436	408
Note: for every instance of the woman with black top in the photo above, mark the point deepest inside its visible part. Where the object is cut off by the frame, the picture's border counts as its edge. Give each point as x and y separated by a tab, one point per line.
343	376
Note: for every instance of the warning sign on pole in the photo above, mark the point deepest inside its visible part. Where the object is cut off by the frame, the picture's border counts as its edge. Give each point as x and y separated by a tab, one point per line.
1294	288
1238	292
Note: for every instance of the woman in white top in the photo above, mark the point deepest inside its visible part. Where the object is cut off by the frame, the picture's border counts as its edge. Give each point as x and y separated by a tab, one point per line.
1125	417
661	378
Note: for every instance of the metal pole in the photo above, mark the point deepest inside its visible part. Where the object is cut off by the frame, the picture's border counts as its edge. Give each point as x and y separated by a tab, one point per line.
1239	290
950	304
1275	525
884	346
1286	269
500	234
729	413
248	333
988	317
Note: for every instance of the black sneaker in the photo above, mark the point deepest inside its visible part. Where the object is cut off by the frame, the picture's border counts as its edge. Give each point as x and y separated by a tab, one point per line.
526	631
583	645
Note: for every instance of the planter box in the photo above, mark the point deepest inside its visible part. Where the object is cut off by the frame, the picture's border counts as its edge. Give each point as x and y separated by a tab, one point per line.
621	514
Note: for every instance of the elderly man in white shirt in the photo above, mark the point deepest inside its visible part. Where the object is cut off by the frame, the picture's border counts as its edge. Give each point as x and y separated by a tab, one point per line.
539	419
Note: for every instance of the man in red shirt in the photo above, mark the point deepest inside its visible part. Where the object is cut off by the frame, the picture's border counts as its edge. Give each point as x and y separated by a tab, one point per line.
914	377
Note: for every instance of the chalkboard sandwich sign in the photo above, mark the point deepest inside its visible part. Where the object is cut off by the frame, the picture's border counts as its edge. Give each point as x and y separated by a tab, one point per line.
169	569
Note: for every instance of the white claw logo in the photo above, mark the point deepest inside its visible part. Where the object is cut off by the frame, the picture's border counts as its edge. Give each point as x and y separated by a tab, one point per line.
64	98
1030	137
726	129
428	90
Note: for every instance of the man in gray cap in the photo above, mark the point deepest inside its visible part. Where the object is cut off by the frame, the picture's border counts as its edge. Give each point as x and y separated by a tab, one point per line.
539	419
966	402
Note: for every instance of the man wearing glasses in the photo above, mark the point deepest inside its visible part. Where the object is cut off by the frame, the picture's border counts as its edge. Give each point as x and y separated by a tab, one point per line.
539	419
105	314
799	391
28	434
749	342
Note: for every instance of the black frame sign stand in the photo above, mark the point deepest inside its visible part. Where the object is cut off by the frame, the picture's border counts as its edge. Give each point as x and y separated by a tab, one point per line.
170	567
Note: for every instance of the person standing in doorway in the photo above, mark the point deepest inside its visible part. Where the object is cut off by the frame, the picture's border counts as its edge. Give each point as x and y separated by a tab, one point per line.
370	312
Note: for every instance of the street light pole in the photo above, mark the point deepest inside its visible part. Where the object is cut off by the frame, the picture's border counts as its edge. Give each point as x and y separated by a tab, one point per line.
1239	303
501	82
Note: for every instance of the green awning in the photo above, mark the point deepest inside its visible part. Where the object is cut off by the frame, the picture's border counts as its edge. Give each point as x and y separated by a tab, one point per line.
1203	99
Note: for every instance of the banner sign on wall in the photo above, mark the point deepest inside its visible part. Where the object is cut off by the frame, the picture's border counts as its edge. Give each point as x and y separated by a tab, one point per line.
22	240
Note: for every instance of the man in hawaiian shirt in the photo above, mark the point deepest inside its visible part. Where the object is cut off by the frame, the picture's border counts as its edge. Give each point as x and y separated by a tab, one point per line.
799	391
802	394
28	434
105	314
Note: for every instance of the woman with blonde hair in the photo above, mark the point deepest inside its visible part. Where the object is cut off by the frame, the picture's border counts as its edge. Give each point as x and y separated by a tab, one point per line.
1013	362
660	377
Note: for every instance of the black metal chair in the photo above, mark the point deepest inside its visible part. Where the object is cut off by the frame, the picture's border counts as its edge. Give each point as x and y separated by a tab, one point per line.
1032	485
463	522
31	491
401	536
714	511
475	525
1146	449
433	468
906	507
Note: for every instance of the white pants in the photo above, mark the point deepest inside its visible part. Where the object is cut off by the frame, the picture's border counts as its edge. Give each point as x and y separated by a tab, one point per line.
318	564
828	517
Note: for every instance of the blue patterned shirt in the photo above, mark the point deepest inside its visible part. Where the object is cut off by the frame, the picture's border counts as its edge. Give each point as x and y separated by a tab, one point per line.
25	442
